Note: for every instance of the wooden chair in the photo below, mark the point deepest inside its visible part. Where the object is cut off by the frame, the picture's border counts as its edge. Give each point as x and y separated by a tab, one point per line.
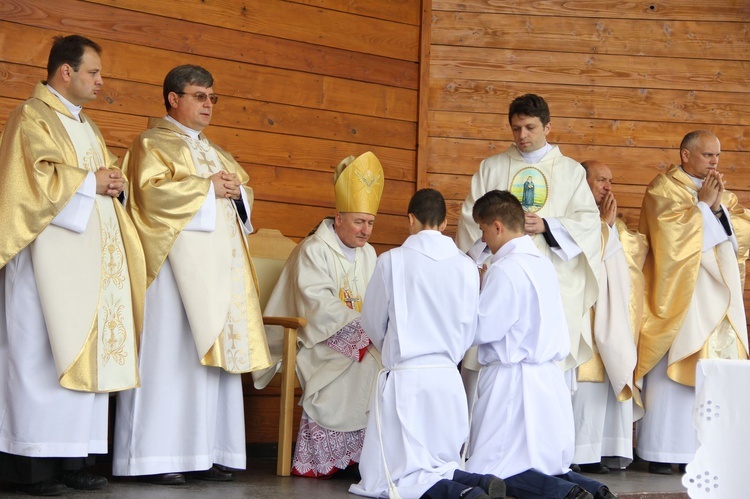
270	250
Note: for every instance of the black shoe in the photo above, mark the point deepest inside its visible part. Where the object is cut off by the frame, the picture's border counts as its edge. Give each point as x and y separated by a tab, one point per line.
575	468
473	493
659	468
578	493
493	485
604	493
596	468
50	487
83	480
163	479
683	467
213	474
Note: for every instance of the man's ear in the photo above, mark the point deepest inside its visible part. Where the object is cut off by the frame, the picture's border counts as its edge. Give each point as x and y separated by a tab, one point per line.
443	225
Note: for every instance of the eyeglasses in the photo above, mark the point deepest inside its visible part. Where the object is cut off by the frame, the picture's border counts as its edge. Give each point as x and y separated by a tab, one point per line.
202	96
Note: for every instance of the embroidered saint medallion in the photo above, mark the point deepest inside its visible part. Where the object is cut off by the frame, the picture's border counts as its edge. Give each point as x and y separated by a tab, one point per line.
530	186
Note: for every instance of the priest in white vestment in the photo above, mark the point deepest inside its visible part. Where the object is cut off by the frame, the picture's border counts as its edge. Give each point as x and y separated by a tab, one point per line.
420	313
522	419
72	280
603	407
324	280
563	220
191	204
698	237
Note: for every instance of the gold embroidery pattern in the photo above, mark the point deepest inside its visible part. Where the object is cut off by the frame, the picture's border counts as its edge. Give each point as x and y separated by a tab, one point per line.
113	333
92	160
113	258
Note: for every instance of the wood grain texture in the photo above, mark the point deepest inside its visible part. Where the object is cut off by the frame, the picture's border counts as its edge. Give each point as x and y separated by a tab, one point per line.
575	68
301	23
584	101
725	10
724	40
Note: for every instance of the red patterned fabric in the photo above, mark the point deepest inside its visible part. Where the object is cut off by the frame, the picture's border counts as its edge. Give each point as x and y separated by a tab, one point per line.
320	453
350	341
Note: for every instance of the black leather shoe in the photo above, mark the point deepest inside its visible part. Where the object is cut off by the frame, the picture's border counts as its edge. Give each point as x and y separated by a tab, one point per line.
578	493
45	488
493	485
473	493
83	480
596	468
659	468
575	468
163	479
213	474
682	467
604	493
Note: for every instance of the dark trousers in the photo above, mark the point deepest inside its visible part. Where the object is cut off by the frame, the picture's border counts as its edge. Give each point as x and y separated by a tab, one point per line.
26	470
532	484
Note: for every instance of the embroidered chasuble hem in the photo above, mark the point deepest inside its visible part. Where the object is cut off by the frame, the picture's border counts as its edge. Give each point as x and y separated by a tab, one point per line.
683	370
82	374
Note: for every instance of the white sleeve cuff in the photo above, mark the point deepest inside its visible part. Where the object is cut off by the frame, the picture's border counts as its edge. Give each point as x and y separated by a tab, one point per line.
205	218
75	215
568	248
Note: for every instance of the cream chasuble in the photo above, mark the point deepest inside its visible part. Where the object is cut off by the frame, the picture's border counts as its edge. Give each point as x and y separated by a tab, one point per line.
698	312
221	301
614	344
314	285
92	353
553	188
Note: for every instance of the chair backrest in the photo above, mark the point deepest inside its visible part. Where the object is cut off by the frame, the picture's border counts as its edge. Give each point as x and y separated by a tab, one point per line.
269	249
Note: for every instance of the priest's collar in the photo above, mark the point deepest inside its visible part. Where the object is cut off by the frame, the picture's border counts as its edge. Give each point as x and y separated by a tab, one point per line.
193	134
74	110
349	253
535	157
697	181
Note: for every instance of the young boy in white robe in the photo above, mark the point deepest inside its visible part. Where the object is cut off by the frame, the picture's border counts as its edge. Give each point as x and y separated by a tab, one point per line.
522	421
420	311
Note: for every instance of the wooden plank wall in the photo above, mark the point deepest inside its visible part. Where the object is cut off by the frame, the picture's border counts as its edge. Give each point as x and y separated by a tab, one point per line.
302	84
625	82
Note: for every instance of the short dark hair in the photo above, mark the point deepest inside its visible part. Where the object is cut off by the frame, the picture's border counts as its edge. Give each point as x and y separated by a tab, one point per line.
690	140
69	50
428	206
182	76
502	206
530	105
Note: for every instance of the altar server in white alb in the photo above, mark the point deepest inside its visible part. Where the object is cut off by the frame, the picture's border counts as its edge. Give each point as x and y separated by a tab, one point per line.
324	280
522	419
603	404
72	280
191	204
421	312
560	214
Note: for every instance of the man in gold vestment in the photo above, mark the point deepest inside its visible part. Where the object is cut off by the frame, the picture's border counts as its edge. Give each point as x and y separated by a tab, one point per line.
698	238
72	279
324	281
191	205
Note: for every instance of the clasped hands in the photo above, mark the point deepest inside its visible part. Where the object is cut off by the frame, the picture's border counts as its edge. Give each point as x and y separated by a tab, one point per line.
712	189
109	182
226	185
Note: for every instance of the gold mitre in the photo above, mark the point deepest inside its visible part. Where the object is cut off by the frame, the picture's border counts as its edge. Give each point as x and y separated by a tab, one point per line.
359	184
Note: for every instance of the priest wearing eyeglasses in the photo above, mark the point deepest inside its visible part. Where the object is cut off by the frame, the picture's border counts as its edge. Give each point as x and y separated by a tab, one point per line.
191	205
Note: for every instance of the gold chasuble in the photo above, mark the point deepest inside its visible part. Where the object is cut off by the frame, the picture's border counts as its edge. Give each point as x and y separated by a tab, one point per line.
213	269
91	284
693	301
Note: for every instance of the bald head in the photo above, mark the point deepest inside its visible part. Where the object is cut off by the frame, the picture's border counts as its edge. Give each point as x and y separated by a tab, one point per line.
699	152
599	178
